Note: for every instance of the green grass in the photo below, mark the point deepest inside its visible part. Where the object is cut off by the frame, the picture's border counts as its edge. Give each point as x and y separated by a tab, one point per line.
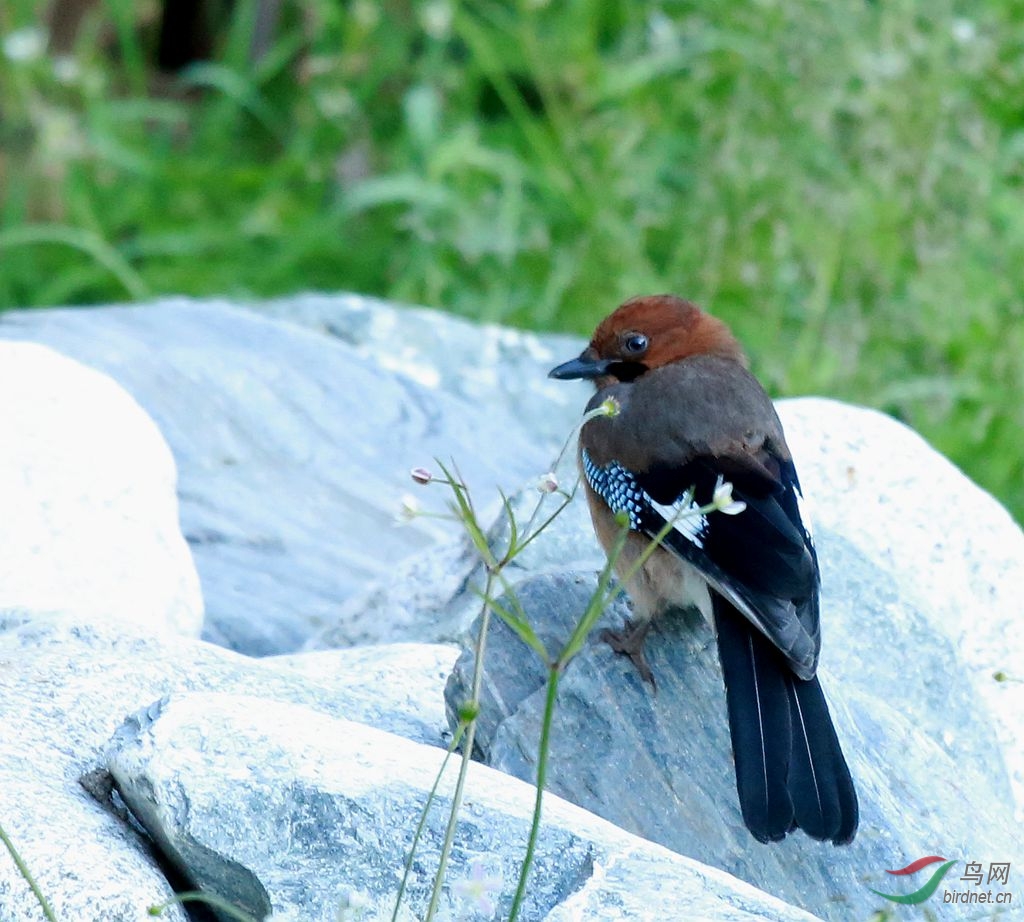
841	182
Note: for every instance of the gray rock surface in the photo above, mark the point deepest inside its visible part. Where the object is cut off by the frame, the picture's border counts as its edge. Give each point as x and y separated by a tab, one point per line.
660	764
434	595
484	364
916	548
931	737
66	685
294	447
87	500
392	687
329	808
426	597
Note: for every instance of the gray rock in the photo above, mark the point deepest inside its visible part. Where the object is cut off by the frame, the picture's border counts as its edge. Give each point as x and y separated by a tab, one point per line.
294	447
427	597
394	687
66	685
321	809
435	595
90	516
928	733
485	364
88	864
908	526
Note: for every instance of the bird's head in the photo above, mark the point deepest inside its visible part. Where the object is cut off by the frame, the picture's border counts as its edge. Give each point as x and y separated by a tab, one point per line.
646	333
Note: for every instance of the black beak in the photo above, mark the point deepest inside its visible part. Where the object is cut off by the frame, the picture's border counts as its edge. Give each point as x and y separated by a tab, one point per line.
586	366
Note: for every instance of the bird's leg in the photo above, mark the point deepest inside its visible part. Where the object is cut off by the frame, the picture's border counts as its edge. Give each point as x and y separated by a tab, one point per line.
630	642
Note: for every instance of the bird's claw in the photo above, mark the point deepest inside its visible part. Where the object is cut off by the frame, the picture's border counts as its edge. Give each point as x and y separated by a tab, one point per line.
630	642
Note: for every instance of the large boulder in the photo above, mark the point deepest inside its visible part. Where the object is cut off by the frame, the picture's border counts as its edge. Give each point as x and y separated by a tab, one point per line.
327	815
68	684
87	500
293	446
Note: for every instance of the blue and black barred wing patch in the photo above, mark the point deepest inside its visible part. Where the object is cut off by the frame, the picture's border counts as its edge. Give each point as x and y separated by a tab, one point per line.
619	488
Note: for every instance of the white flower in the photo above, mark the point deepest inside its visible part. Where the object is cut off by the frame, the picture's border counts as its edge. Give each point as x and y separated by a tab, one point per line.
23	45
60	137
365	13
437	19
547	483
409	509
352	906
478	891
722	498
334	103
608	407
964	30
662	34
66	69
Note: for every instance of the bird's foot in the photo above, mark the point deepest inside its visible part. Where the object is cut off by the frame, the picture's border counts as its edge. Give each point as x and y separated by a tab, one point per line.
630	642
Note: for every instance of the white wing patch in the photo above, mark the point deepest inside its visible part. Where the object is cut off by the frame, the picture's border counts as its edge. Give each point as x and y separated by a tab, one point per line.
803	507
682	515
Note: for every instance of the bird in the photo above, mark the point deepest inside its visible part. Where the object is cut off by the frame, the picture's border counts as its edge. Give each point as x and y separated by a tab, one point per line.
690	417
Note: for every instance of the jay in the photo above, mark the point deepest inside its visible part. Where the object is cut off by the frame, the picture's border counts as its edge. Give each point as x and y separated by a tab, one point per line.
690	417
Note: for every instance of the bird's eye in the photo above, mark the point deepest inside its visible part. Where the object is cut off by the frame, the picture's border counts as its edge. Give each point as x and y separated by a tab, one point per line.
635	343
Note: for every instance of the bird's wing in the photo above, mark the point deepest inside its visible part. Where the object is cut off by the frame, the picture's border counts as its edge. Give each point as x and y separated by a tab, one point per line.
761	559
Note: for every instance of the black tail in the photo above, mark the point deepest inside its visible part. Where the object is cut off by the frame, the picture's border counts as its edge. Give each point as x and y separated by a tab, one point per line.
790	771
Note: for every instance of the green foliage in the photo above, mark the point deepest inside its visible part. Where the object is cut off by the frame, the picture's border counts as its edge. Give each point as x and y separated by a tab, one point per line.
841	182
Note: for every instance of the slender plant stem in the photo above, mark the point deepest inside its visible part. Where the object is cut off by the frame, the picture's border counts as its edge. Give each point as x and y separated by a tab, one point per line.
554	671
531	533
456	738
27	874
462	508
467	749
198	896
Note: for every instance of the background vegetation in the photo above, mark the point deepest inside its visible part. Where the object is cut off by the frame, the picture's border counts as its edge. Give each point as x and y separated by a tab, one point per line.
842	182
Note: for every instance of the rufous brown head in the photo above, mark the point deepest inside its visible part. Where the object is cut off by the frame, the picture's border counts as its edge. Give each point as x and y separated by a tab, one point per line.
646	333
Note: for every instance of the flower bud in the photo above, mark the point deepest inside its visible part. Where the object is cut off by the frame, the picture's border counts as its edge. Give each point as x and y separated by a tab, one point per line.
421	475
547	483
